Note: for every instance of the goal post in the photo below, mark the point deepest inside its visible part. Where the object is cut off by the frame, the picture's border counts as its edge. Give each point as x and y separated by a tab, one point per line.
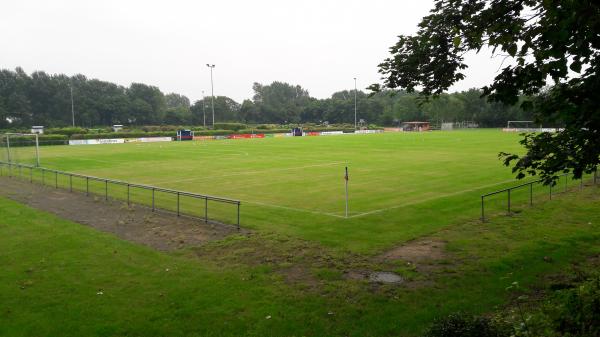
522	126
20	148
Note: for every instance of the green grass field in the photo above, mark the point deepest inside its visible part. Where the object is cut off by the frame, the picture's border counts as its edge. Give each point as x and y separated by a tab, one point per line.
64	279
402	185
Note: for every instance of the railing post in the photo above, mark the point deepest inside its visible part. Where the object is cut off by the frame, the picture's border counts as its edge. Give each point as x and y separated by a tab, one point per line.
31	175
87	186
177	203
43	177
550	191
55	179
70	183
531	194
482	210
106	189
566	180
238	216
152	199
508	201
206	209
127	194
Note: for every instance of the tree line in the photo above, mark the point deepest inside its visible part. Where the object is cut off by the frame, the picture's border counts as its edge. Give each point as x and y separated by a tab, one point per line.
45	99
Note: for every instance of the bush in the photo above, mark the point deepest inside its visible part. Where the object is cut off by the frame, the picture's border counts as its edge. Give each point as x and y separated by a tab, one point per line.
320	129
42	139
576	312
137	134
264	131
266	126
214	133
155	128
464	325
229	126
65	131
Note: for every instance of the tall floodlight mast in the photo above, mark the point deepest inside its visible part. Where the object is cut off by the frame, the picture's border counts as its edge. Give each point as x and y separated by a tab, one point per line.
203	110
212	93
355	93
72	104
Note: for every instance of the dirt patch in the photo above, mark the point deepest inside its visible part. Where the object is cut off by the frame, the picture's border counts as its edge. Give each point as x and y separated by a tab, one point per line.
162	231
418	251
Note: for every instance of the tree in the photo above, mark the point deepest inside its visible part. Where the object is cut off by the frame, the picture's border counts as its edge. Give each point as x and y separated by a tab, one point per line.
174	100
226	109
148	103
551	42
279	102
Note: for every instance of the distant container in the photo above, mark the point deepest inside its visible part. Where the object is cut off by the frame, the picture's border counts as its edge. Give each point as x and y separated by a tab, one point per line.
37	129
117	127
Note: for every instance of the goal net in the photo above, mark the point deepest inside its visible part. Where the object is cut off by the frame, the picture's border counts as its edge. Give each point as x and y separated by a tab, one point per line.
20	148
522	126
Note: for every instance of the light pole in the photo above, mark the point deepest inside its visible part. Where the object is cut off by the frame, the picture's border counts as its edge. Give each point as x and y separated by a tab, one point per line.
72	105
203	109
212	93
355	104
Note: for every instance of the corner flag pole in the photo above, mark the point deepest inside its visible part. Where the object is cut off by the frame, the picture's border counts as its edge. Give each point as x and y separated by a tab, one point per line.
346	179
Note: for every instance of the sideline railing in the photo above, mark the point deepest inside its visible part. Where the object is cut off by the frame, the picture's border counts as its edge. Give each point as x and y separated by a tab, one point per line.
182	202
531	193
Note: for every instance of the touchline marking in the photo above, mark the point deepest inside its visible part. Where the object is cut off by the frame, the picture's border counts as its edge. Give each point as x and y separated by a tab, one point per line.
429	199
293	209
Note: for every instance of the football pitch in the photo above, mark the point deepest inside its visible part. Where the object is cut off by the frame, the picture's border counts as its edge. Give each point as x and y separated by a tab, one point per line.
401	185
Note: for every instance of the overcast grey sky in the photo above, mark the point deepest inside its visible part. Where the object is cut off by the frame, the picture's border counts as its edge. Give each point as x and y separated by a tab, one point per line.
318	44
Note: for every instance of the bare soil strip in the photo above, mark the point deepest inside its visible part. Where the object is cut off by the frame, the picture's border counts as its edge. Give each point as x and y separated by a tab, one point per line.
162	231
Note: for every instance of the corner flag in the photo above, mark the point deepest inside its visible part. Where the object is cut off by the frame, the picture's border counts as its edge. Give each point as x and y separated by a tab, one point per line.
346	179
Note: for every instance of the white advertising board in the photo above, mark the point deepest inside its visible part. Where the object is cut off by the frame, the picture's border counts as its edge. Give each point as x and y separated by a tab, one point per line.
368	131
96	141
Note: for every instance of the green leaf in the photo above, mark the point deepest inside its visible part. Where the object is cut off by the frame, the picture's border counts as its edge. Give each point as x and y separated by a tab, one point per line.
512	49
456	41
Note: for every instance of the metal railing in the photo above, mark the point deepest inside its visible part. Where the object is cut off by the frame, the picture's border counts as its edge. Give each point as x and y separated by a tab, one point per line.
182	203
551	189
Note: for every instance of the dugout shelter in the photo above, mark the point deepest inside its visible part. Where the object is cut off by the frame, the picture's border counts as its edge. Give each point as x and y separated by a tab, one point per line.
415	126
185	135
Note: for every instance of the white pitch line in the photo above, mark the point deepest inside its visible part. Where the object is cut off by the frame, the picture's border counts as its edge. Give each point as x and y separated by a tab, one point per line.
244	173
292	208
429	199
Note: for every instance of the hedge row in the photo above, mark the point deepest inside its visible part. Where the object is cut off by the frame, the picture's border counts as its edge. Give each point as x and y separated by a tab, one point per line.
218	132
137	134
42	139
230	126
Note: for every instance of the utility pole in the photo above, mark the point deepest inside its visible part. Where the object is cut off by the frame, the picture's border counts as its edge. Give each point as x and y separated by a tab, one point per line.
203	109
355	92
72	105
212	93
